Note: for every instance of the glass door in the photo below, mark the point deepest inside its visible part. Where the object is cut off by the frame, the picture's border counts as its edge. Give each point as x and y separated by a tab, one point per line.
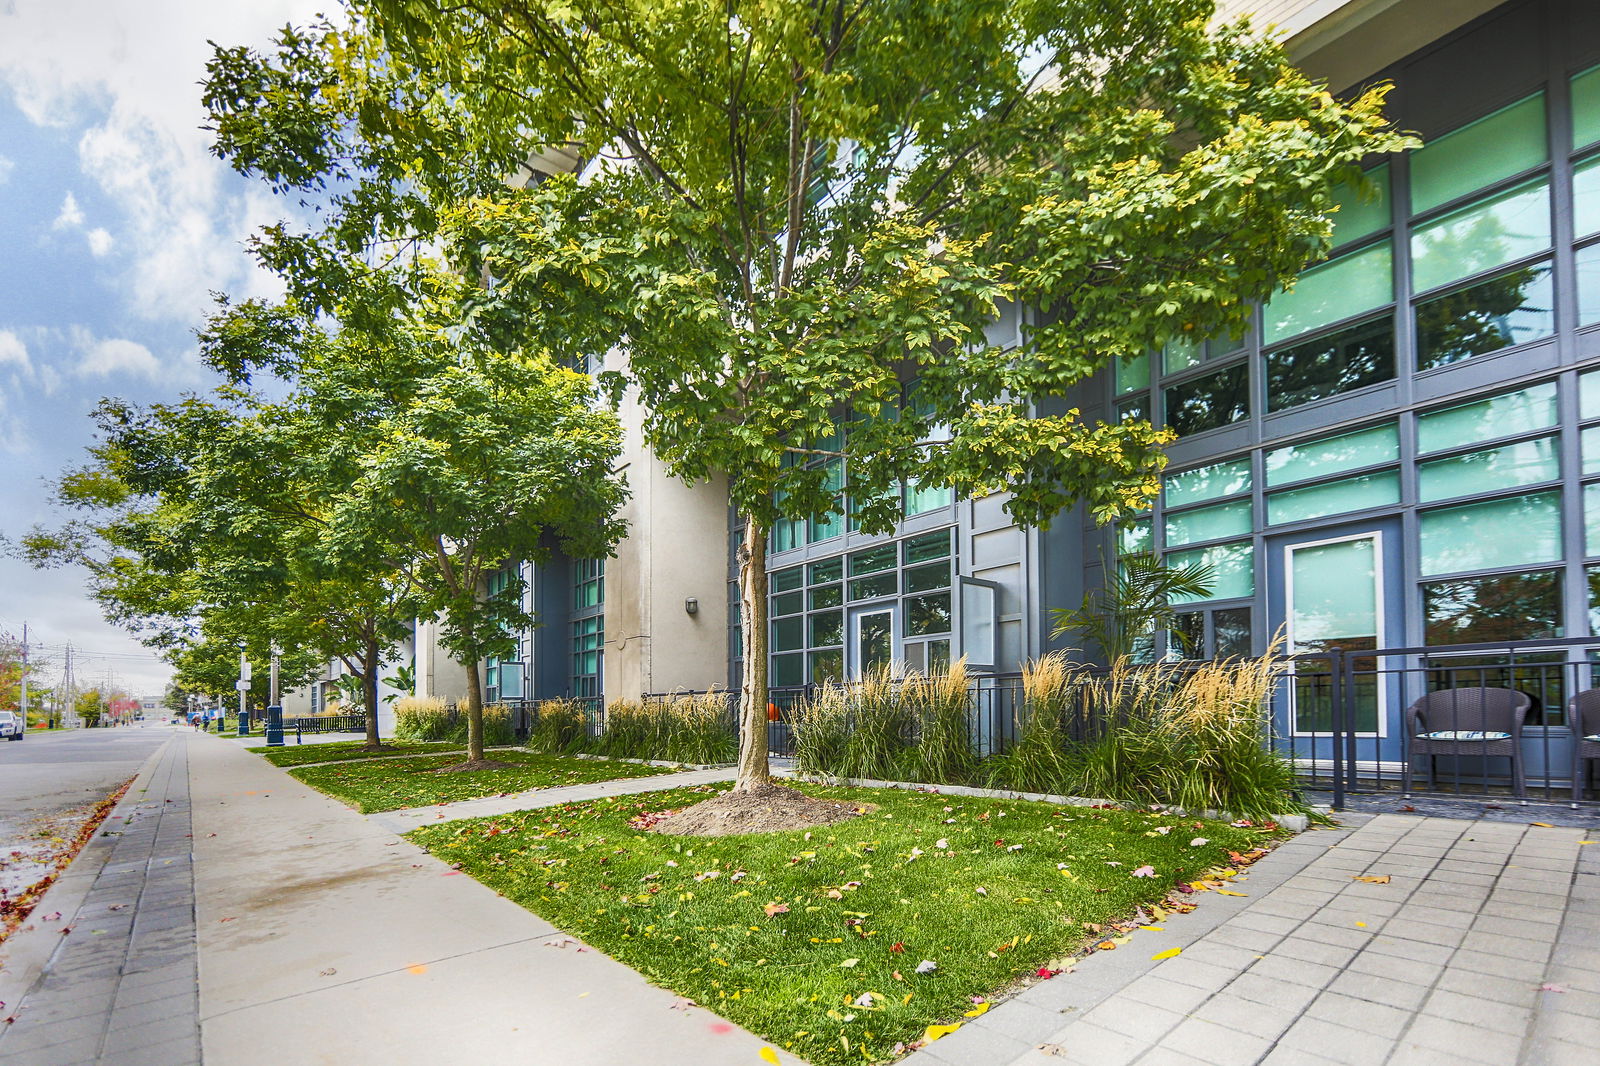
872	643
1333	590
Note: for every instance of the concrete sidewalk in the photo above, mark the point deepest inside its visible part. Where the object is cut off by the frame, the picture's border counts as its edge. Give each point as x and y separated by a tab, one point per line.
324	938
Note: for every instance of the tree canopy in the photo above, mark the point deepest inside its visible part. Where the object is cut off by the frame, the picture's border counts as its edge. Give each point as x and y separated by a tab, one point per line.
782	214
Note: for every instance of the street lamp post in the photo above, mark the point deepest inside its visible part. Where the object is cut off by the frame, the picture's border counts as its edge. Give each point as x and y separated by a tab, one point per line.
243	685
274	709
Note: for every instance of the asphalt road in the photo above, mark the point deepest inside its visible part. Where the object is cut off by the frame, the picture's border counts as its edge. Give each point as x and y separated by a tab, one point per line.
48	774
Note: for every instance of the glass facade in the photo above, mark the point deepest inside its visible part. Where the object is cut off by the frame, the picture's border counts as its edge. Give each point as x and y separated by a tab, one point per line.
587	629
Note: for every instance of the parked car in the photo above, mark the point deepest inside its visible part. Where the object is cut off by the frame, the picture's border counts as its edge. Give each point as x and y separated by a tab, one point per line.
11	725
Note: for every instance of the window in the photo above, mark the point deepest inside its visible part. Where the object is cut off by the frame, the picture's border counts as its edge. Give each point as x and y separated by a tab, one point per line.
1132	373
588	640
1339	289
1208	523
1337	362
1470	240
1513	308
1524	463
1363	206
1184	353
1333	455
1207	483
1515	531
1506	415
1589	284
1220	633
1232	566
1500	607
1586	198
588	583
1218	399
1489	150
1360	493
1586	108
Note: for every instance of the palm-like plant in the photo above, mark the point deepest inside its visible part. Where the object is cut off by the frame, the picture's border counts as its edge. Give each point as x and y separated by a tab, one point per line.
1133	606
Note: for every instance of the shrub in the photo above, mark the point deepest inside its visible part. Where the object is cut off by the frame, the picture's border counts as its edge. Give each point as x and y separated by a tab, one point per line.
559	727
1037	760
422	718
700	729
943	708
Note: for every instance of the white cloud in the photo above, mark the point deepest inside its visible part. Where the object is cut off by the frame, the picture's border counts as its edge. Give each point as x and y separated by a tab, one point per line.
116	355
100	242
14	353
71	216
13	437
129	75
6	167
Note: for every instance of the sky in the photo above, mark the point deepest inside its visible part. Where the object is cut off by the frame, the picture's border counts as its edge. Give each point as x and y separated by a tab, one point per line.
115	226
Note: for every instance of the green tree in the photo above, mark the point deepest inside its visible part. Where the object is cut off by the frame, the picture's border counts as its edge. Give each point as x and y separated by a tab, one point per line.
1134	604
89	705
790	209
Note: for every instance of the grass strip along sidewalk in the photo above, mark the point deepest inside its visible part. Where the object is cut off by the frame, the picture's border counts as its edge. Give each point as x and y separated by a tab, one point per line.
390	784
343	750
847	942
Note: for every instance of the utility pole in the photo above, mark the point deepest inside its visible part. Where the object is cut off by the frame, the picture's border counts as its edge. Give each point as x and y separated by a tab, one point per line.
25	677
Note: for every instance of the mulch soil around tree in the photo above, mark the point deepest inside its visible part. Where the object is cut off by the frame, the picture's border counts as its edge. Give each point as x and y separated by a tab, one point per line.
767	809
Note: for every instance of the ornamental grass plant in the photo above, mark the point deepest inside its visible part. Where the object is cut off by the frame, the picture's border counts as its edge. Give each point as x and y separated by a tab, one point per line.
422	718
559	727
688	728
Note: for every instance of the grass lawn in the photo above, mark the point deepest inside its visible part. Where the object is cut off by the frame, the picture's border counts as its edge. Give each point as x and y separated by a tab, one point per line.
390	784
343	750
815	943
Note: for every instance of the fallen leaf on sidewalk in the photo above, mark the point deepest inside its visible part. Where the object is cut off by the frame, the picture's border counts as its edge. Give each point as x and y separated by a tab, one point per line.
935	1032
1380	879
232	919
1168	954
1551	988
1542	825
1228	892
680	1004
978	1011
329	972
768	1055
1052	1049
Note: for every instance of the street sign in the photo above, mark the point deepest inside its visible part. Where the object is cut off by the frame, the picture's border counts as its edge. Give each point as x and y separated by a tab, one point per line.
242	686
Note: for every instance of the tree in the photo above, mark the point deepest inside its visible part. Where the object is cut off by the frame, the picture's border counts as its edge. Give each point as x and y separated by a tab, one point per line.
791	209
89	705
1134	605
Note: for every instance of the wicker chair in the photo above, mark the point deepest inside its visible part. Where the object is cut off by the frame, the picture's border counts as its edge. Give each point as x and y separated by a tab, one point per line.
1583	714
1463	722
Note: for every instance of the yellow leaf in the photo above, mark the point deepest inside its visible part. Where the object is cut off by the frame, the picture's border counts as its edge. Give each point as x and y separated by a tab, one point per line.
978	1011
1154	928
768	1055
936	1031
1230	892
849	963
1361	925
1169	953
1589	842
1542	825
1380	879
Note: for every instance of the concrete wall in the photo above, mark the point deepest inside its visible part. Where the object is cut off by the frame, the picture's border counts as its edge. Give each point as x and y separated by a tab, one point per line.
676	549
437	673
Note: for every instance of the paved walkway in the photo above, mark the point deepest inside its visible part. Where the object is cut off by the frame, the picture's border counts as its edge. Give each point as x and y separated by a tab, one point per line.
1483	947
120	986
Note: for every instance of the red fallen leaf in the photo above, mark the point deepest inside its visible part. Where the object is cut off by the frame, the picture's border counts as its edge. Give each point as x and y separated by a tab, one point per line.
1408	807
67	930
1542	988
772	909
897	947
1045	973
221	920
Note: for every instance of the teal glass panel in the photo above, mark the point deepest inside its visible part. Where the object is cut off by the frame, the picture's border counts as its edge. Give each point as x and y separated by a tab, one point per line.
1524	463
788	533
1505	415
1586	198
1182	354
1336	290
1207	483
827	665
1379	489
1481	536
788	671
788	634
786	580
920	499
1497	146
1516	307
1132	373
788	603
1135	538
927	614
1232	570
928	577
1363	206
1208	523
827	628
825	596
1589	394
866	588
1591	519
1331	455
1586	107
872	560
821	527
1333	593
927	546
1481	236
1589	285
827	570
1591	450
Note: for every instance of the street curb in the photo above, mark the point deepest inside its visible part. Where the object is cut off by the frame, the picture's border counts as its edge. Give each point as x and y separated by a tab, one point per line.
28	952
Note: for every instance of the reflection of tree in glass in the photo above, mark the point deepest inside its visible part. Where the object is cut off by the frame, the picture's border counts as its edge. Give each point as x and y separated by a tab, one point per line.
1484	318
1209	402
1502	607
1331	364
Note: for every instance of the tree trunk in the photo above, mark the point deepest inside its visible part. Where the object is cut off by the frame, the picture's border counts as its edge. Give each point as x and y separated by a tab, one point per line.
369	690
474	709
753	697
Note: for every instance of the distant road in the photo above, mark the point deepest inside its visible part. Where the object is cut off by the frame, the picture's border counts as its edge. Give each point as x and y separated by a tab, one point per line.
49	772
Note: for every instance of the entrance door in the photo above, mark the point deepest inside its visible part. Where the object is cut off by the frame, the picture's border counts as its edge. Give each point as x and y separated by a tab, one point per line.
1336	589
872	643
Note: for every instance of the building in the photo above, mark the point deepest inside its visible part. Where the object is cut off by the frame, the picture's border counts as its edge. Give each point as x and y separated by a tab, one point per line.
1394	454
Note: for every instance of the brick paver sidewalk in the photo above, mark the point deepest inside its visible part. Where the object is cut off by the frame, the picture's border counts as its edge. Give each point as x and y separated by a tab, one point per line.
121	986
1483	947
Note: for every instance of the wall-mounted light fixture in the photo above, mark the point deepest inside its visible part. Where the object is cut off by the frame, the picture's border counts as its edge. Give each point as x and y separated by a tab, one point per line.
691	606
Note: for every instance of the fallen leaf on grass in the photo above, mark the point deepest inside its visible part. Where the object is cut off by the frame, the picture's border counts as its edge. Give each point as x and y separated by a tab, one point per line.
776	908
849	964
934	1032
927	966
1145	871
1169	953
978	1011
1380	879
